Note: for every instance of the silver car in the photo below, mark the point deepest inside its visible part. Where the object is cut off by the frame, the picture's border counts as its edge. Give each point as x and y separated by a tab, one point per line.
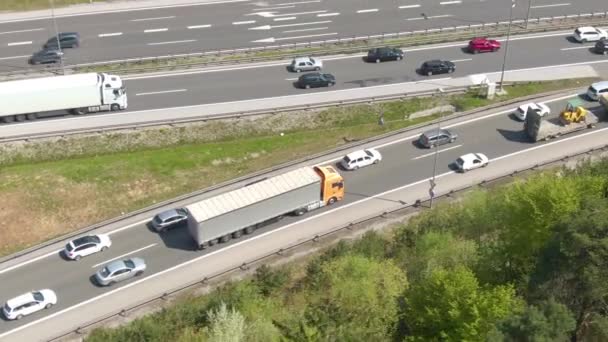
169	219
300	64
120	270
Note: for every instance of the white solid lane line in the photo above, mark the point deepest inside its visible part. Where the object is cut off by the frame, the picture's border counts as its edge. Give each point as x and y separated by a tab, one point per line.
20	43
333	14
243	22
409	6
284	19
198	26
577	48
162	92
123	255
21	31
450	2
368	10
158	18
433	153
461	60
173	42
156	30
550	5
14	57
114	34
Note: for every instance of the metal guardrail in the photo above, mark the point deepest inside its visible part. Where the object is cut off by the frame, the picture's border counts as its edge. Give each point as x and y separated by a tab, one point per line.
418	37
245	178
419	204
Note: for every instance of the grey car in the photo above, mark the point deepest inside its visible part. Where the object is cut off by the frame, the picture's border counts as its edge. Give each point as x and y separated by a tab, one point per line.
120	270
46	56
169	219
437	137
66	39
300	64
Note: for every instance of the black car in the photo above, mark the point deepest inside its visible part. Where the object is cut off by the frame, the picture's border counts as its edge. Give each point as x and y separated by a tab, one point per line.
46	56
384	54
66	39
316	79
601	47
437	67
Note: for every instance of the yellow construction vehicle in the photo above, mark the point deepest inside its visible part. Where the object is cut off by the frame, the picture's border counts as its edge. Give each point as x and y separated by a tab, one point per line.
573	112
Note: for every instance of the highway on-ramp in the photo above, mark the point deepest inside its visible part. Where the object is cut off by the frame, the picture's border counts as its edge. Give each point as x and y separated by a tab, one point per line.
239	24
271	85
172	259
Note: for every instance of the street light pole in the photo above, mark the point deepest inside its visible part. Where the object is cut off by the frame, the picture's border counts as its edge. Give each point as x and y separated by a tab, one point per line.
57	36
504	60
528	14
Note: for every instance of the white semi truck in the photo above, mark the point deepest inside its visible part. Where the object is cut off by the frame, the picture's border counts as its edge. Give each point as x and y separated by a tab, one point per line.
77	94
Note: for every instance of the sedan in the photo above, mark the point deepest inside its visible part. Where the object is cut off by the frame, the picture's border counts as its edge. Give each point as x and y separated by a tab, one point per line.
471	161
316	79
539	108
87	245
46	56
169	219
120	270
361	158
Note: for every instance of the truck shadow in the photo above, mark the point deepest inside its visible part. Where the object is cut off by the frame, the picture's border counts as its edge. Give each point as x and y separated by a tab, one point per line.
360	195
176	238
517	136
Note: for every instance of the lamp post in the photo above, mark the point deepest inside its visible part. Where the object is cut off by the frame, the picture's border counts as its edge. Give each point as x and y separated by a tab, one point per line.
432	180
504	60
528	13
57	37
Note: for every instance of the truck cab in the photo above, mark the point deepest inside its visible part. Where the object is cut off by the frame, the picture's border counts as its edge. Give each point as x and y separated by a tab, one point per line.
332	184
114	92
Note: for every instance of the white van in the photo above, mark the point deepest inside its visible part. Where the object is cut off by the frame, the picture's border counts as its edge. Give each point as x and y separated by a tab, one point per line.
29	303
597	89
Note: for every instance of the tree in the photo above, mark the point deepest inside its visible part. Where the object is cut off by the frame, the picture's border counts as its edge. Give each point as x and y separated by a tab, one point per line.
356	297
451	306
548	322
226	325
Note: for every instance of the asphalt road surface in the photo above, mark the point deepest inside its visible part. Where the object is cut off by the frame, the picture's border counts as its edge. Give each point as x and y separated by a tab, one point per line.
157	32
498	135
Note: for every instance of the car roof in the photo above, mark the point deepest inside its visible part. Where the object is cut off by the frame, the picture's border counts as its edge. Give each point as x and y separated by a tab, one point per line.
302	59
115	265
436	131
586	28
358	154
469	156
86	239
20	300
601	84
167	214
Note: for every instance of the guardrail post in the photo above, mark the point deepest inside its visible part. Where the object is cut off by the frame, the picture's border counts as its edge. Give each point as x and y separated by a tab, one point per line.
280	252
205	281
417	203
165	296
244	267
79	331
315	239
123	313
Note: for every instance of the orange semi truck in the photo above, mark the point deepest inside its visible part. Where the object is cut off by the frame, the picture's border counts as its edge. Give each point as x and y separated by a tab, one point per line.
238	212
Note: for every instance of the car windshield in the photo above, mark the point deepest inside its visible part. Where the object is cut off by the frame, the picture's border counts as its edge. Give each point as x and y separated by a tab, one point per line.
369	153
38	296
129	263
105	272
459	161
313	61
593	90
478	156
181	211
69	247
577	31
7	308
347	159
157	219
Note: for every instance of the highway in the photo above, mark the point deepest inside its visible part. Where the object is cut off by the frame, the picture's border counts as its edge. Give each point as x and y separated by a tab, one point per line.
205	27
404	166
233	85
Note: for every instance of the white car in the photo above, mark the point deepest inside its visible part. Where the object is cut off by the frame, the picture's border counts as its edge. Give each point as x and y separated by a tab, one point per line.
589	34
300	64
87	245
471	161
540	108
361	158
29	303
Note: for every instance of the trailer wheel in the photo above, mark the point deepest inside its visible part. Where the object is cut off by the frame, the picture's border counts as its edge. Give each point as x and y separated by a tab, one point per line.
32	116
80	111
237	234
20	117
332	200
212	242
8	119
248	230
114	107
300	212
201	247
225	238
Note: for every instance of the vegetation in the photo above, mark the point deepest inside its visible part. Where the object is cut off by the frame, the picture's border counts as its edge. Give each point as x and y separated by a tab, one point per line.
27	5
526	261
67	184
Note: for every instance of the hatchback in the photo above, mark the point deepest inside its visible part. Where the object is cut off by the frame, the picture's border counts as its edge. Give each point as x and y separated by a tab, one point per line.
87	245
596	90
66	40
384	54
437	67
437	137
120	270
300	64
361	158
589	34
471	161
169	219
483	45
46	56
29	303
540	108
601	47
315	79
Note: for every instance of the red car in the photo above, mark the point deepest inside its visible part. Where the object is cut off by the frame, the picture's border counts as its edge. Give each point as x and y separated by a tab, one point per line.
483	45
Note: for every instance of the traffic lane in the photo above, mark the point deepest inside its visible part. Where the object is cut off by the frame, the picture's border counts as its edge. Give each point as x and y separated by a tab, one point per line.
363	183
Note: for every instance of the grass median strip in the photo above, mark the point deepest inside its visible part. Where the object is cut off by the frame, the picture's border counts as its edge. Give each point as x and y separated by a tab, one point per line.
28	5
49	188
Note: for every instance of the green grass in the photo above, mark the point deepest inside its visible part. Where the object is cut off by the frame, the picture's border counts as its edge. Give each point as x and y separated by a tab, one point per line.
27	5
68	184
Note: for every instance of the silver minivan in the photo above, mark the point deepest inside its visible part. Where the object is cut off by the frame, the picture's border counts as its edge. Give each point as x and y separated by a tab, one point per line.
597	89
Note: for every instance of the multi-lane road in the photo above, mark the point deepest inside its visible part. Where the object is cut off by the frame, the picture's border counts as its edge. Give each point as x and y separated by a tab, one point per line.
233	85
404	167
230	24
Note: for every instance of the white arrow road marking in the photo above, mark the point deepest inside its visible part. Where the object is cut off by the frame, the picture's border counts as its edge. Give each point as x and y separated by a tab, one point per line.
158	18
272	14
198	26
20	43
101	35
308	29
163	92
121	256
268	27
551	5
243	22
432	153
272	39
156	30
409	6
20	31
578	47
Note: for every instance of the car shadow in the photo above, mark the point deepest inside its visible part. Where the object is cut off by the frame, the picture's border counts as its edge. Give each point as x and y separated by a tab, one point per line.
178	238
94	282
516	136
571	39
514	117
465	49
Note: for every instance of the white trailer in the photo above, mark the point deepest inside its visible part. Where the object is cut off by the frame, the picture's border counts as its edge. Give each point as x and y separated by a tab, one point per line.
78	94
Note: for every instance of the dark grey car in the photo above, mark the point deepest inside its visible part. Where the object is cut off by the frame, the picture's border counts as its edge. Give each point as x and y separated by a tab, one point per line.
46	56
120	270
66	39
169	219
437	137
